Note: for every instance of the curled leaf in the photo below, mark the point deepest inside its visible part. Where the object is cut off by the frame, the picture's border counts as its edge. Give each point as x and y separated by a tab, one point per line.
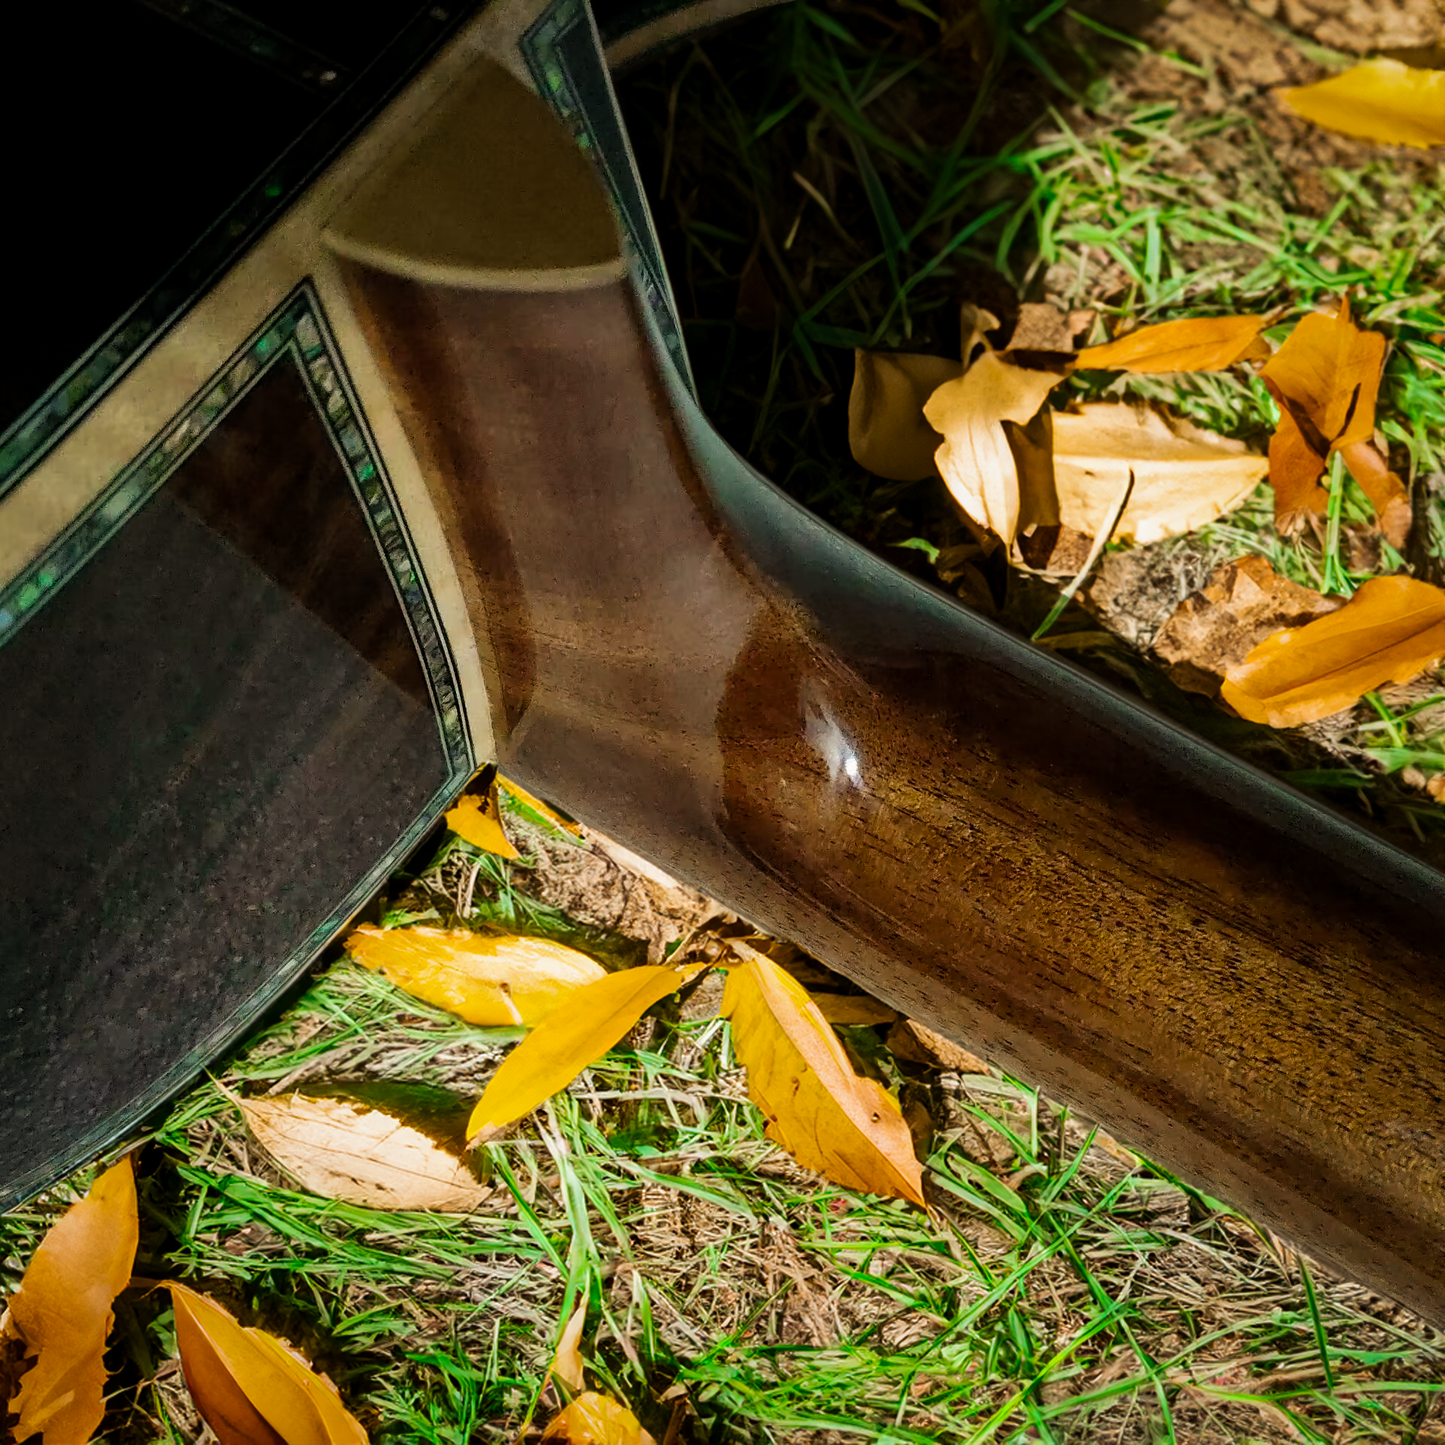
478	820
567	1362
1391	630
887	430
344	1149
826	1116
1198	343
976	459
593	1419
497	980
249	1387
1386	492
594	1019
62	1311
1183	476
1378	100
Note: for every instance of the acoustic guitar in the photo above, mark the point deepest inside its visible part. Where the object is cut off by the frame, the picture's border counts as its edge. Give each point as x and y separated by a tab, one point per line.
398	469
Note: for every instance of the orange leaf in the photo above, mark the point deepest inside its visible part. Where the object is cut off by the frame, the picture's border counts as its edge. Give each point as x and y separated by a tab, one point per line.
1391	630
1199	343
495	980
249	1387
887	430
826	1116
62	1311
593	1419
1380	100
1384	489
479	822
1295	469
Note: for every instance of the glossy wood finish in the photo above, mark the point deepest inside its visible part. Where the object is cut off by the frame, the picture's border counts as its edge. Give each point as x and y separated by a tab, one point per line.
1240	985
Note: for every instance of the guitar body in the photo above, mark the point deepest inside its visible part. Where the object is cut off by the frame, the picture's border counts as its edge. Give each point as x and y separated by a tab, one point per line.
419	481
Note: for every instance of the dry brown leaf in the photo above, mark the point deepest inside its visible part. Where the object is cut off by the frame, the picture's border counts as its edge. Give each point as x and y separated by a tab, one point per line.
594	1019
887	430
478	820
1378	100
976	459
827	1117
1244	602
1326	379
249	1387
1198	343
498	980
593	1419
1183	476
567	1363
908	1039
1391	630
345	1149
62	1312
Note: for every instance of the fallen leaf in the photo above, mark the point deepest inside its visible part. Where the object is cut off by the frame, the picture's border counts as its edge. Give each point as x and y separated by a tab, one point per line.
826	1116
1197	343
478	820
1043	327
887	430
346	1149
1183	476
1214	629
595	1019
1391	630
593	1419
62	1312
853	1008
976	459
550	815
495	980
1379	100
908	1039
1326	380
249	1387
567	1363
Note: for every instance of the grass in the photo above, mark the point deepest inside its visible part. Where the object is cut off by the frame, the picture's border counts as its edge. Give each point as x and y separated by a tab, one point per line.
834	178
1061	1289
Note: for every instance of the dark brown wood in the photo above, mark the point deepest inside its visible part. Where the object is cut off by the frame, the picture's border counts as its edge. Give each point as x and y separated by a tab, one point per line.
1240	985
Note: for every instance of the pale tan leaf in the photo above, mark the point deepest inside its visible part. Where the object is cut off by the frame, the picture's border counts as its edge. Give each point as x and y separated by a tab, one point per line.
1214	629
1391	630
1198	343
478	820
493	979
343	1149
249	1387
1378	100
975	459
593	1419
62	1311
826	1116
567	1363
593	1020
887	430
1183	476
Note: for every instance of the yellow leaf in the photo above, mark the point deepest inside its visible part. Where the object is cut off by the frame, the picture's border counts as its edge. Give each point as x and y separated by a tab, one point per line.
1183	476
553	1054
976	459
887	430
343	1149
567	1362
593	1419
491	979
1391	630
1198	343
827	1117
1379	100
479	822
538	806
249	1387
62	1311
1326	379
853	1008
